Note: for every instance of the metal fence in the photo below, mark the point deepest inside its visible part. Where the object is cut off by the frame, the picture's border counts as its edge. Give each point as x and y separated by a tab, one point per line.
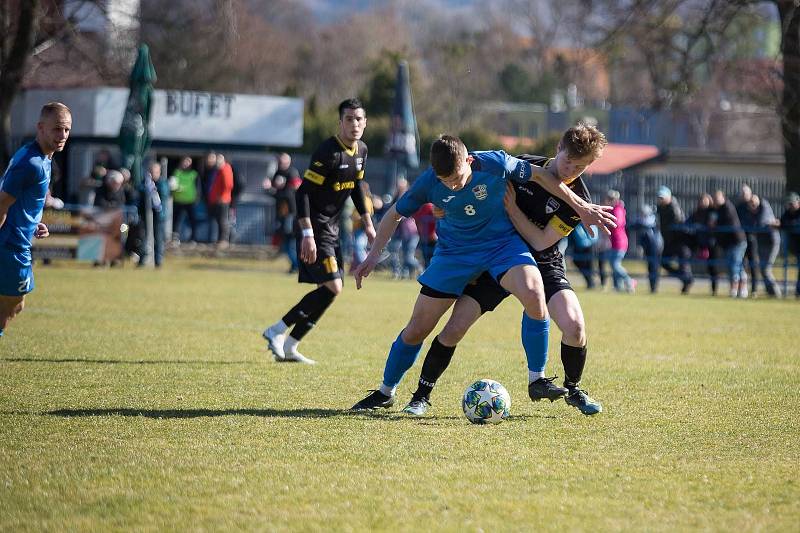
637	190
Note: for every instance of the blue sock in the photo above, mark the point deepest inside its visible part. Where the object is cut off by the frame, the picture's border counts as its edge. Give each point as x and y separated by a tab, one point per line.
1	332
401	358
534	339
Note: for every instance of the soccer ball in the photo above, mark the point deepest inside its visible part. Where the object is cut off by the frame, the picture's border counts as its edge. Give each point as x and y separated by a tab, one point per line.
486	402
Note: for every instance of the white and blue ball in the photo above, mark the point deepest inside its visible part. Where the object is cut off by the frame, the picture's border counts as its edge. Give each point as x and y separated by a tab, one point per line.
486	402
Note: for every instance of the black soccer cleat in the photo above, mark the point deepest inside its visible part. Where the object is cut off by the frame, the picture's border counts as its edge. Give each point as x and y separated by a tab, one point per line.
580	400
545	389
375	400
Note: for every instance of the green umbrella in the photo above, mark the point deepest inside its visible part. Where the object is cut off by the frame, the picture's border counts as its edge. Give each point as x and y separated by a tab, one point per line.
134	133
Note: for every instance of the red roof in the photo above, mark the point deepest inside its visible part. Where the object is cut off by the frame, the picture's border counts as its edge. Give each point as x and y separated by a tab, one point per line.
621	156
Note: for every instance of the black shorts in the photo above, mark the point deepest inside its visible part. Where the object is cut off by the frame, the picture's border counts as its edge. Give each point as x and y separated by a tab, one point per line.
329	265
488	293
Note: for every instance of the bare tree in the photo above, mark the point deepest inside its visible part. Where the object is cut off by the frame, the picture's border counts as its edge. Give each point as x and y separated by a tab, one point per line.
41	46
19	24
789	11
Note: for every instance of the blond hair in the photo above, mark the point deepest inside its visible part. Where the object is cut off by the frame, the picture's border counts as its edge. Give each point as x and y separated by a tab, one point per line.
54	109
582	140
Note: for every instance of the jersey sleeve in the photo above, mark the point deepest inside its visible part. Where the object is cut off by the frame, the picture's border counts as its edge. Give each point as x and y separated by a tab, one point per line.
516	169
17	177
322	165
417	195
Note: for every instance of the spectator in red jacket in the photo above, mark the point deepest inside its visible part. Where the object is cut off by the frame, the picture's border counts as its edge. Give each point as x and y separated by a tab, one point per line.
219	199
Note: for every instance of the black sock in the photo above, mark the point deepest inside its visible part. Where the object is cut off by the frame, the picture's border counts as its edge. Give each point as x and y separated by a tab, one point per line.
573	359
436	362
304	325
319	298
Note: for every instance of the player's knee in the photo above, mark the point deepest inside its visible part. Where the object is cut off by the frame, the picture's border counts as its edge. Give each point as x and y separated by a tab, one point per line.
574	333
335	288
453	332
533	301
415	333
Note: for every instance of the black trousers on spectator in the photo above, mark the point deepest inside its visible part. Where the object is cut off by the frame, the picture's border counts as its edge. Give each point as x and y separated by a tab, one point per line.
220	213
177	217
683	254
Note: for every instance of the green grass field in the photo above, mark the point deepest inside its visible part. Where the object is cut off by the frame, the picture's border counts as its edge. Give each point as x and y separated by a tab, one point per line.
146	400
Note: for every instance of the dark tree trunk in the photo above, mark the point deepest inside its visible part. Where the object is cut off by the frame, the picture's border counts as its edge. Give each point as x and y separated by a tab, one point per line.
12	68
790	101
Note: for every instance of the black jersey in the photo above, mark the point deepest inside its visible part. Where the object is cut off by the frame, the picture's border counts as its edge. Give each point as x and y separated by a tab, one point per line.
331	178
544	209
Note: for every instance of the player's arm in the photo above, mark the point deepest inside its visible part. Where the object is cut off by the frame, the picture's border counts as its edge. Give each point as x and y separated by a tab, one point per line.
357	195
540	239
6	200
308	247
322	161
385	231
591	214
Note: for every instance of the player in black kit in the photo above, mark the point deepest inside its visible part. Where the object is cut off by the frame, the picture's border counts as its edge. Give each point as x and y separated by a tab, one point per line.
337	167
542	220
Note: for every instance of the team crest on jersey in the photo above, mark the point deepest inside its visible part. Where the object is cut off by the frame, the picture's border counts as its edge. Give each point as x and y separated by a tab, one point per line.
480	191
551	206
359	163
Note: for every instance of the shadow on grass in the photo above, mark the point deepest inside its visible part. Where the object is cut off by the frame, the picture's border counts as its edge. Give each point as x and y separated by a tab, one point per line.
161	414
122	361
199	413
225	267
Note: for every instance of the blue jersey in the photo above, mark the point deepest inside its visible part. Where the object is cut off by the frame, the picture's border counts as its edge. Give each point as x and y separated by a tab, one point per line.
26	179
474	216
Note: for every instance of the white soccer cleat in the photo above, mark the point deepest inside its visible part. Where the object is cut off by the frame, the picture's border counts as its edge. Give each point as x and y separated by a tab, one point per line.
275	343
293	356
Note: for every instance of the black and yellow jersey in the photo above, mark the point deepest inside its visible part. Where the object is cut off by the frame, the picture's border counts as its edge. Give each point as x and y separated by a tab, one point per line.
332	176
544	209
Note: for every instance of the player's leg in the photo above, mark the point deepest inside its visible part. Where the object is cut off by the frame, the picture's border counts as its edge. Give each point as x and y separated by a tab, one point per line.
326	273
566	312
465	313
428	309
442	283
16	280
525	283
10	306
306	323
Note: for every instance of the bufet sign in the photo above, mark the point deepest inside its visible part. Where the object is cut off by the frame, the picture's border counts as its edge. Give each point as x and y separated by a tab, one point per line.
227	118
183	116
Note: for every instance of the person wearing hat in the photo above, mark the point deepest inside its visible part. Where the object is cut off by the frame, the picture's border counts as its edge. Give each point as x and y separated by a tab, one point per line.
790	224
676	247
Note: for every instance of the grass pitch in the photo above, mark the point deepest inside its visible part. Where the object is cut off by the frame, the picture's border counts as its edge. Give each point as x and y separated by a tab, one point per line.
146	400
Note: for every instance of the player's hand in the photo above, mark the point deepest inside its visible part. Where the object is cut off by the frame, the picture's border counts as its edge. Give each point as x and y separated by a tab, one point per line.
438	212
308	250
41	231
370	231
599	216
365	268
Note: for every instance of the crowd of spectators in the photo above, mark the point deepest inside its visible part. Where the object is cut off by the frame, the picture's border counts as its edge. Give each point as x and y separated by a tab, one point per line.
735	240
203	190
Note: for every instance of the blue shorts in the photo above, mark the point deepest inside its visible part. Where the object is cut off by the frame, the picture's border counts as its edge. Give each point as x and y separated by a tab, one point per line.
450	273
16	272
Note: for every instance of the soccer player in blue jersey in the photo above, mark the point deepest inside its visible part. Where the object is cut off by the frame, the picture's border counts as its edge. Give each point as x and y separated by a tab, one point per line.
542	220
475	235
23	189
